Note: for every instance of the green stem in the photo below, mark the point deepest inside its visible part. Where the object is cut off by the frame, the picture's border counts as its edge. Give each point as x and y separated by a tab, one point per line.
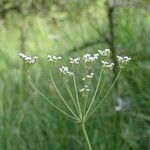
50	101
76	91
99	80
85	104
105	95
71	95
86	136
61	95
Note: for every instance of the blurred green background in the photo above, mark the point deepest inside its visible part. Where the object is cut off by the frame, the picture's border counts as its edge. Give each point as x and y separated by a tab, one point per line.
71	28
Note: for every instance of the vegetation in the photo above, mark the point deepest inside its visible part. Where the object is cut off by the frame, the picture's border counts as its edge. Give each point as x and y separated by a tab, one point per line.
70	29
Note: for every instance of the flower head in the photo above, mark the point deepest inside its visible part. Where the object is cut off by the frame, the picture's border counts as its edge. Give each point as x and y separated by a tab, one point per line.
65	72
123	60
88	59
85	90
90	76
53	59
75	61
27	60
107	65
104	54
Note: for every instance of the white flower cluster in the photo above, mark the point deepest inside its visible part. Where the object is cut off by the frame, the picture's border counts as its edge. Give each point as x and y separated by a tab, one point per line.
104	53
89	59
65	71
53	59
85	89
74	61
108	65
89	76
124	59
28	59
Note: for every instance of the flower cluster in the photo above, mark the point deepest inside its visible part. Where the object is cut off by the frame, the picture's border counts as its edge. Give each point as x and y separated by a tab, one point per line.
85	90
27	59
88	59
107	65
104	53
89	76
53	59
65	72
74	61
123	60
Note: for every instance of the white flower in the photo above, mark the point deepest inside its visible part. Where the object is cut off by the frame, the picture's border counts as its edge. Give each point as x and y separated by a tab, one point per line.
65	71
85	89
90	76
81	90
96	56
123	60
28	59
108	65
53	59
89	59
105	53
75	61
83	79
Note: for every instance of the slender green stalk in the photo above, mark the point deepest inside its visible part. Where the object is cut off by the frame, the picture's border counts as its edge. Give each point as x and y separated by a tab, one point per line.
71	95
99	80
51	102
85	104
76	91
103	83
86	136
61	95
105	95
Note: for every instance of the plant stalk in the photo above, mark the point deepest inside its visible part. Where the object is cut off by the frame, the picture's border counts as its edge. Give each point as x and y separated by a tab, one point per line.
86	136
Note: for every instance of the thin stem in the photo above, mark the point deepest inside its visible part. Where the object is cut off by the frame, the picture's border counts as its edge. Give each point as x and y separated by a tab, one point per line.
85	103
86	136
101	89
71	95
61	95
76	91
103	83
50	101
99	80
105	95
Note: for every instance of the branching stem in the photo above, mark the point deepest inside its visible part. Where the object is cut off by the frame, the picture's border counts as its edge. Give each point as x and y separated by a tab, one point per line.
71	95
99	80
76	91
105	94
61	95
50	101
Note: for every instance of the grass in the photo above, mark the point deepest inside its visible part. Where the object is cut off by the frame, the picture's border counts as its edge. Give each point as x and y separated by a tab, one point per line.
27	122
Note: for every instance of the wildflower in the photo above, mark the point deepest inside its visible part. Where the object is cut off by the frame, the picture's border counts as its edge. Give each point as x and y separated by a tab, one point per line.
89	59
96	56
85	90
104	54
65	72
75	61
83	79
53	59
87	78
123	60
90	76
108	65
28	61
